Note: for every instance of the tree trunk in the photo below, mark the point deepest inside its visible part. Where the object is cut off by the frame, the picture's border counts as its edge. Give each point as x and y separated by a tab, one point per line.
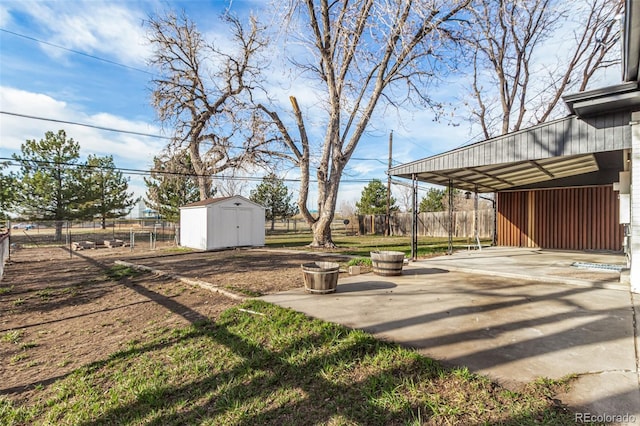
104	222
199	168
273	223
322	233
322	227
58	236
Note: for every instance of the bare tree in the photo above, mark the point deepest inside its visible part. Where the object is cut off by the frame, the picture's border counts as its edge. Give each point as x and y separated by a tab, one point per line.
229	185
514	68
363	52
204	93
405	197
347	209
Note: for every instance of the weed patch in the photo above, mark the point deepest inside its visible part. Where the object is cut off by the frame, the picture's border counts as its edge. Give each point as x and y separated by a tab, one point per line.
6	290
118	272
360	261
243	291
12	336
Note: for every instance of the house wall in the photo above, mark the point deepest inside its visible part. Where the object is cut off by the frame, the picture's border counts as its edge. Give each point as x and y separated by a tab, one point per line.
193	227
634	272
582	218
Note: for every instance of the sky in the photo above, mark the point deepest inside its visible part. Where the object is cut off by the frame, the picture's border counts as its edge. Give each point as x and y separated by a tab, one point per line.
86	62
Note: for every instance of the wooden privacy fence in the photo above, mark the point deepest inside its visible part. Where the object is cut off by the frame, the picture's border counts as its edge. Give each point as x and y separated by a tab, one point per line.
431	224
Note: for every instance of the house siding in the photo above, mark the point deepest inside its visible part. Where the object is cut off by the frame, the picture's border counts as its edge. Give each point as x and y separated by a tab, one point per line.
635	205
583	218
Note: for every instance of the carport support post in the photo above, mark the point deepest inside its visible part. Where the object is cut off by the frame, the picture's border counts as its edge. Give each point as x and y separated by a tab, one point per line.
494	202
635	202
475	218
414	218
450	248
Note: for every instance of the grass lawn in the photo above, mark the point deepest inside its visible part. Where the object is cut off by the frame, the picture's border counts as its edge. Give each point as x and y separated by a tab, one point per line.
262	364
361	245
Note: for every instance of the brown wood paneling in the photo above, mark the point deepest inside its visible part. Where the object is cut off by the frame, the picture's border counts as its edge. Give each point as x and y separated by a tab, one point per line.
584	218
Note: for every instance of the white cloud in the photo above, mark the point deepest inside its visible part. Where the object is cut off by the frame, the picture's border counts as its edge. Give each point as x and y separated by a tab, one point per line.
94	27
350	193
5	16
128	150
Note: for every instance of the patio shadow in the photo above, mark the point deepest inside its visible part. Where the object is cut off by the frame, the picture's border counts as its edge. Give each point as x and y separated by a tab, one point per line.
364	286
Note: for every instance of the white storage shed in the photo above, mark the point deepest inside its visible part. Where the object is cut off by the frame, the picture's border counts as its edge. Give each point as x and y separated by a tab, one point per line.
222	222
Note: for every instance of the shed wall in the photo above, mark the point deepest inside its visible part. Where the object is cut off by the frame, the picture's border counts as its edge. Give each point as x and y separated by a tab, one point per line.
236	225
584	218
193	228
221	223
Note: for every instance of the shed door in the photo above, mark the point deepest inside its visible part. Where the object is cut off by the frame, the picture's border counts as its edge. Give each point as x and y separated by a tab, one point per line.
244	227
236	227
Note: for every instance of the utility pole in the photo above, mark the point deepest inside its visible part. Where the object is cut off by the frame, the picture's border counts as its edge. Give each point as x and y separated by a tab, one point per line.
387	222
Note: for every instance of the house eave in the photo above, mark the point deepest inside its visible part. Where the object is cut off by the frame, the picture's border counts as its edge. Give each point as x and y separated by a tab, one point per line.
549	151
625	96
631	41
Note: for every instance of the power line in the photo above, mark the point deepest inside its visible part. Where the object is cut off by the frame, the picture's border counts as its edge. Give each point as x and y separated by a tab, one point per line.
76	52
93	126
131	132
143	172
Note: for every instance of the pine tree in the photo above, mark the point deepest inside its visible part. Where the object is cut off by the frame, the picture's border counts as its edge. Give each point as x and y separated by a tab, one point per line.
171	185
52	185
8	193
107	188
434	201
374	199
274	195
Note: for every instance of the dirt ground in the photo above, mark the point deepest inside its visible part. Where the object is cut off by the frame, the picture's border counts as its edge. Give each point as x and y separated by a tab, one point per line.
59	311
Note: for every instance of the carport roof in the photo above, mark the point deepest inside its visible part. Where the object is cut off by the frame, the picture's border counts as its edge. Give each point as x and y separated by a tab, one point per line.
558	149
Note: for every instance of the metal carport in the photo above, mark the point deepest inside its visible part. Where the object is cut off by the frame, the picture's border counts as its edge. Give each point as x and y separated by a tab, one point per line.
598	146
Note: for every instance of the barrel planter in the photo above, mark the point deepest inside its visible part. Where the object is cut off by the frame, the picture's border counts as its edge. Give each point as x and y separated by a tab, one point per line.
320	277
387	263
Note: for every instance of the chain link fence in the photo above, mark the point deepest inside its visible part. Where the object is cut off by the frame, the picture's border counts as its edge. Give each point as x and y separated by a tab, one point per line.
79	235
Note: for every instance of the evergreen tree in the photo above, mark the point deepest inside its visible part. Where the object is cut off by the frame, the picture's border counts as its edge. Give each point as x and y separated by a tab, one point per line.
107	189
374	199
273	194
52	186
8	193
437	200
172	184
434	201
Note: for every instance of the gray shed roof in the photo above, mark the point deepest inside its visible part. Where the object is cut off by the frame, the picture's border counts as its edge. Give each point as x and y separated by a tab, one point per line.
553	150
206	202
209	201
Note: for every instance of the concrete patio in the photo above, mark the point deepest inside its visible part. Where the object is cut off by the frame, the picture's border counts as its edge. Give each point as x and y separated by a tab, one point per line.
541	318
